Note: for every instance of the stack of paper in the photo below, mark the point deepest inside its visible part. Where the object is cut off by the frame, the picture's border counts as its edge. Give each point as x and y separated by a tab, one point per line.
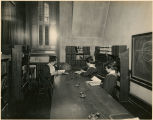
95	81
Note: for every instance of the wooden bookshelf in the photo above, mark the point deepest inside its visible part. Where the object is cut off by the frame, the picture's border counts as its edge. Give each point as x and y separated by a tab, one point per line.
20	79
5	76
76	55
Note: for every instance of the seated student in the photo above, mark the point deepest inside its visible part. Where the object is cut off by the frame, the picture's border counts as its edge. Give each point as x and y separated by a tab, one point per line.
110	81
91	70
52	65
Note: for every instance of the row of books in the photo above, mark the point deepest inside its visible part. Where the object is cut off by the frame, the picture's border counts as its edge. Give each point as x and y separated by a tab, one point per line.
77	50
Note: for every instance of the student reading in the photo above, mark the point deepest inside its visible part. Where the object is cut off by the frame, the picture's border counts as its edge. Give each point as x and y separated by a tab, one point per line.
91	71
47	73
110	81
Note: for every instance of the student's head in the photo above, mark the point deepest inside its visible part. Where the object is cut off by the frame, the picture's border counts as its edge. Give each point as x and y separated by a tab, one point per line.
111	67
52	59
89	60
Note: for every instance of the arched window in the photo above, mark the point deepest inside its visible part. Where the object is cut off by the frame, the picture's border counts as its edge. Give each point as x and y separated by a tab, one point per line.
48	24
43	14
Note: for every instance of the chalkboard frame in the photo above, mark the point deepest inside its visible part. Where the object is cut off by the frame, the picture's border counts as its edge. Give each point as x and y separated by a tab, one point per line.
138	80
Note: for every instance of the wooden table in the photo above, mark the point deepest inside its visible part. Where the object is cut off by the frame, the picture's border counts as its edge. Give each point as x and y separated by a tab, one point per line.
67	104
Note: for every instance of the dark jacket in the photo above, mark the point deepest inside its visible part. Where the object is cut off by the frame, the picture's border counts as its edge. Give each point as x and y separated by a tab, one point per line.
110	83
91	71
46	79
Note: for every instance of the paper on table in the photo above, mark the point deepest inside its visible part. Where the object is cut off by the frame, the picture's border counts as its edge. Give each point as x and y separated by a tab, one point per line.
95	81
94	78
78	72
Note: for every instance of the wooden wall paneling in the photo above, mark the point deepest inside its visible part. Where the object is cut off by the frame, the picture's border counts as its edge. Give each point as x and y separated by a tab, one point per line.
8	26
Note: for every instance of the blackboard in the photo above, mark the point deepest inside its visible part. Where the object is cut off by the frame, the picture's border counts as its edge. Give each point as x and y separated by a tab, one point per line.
142	57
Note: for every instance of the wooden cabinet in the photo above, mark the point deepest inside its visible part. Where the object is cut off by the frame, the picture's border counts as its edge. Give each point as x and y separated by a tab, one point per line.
18	84
20	71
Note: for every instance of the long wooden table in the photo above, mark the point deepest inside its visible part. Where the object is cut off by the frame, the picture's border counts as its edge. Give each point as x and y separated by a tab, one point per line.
67	104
